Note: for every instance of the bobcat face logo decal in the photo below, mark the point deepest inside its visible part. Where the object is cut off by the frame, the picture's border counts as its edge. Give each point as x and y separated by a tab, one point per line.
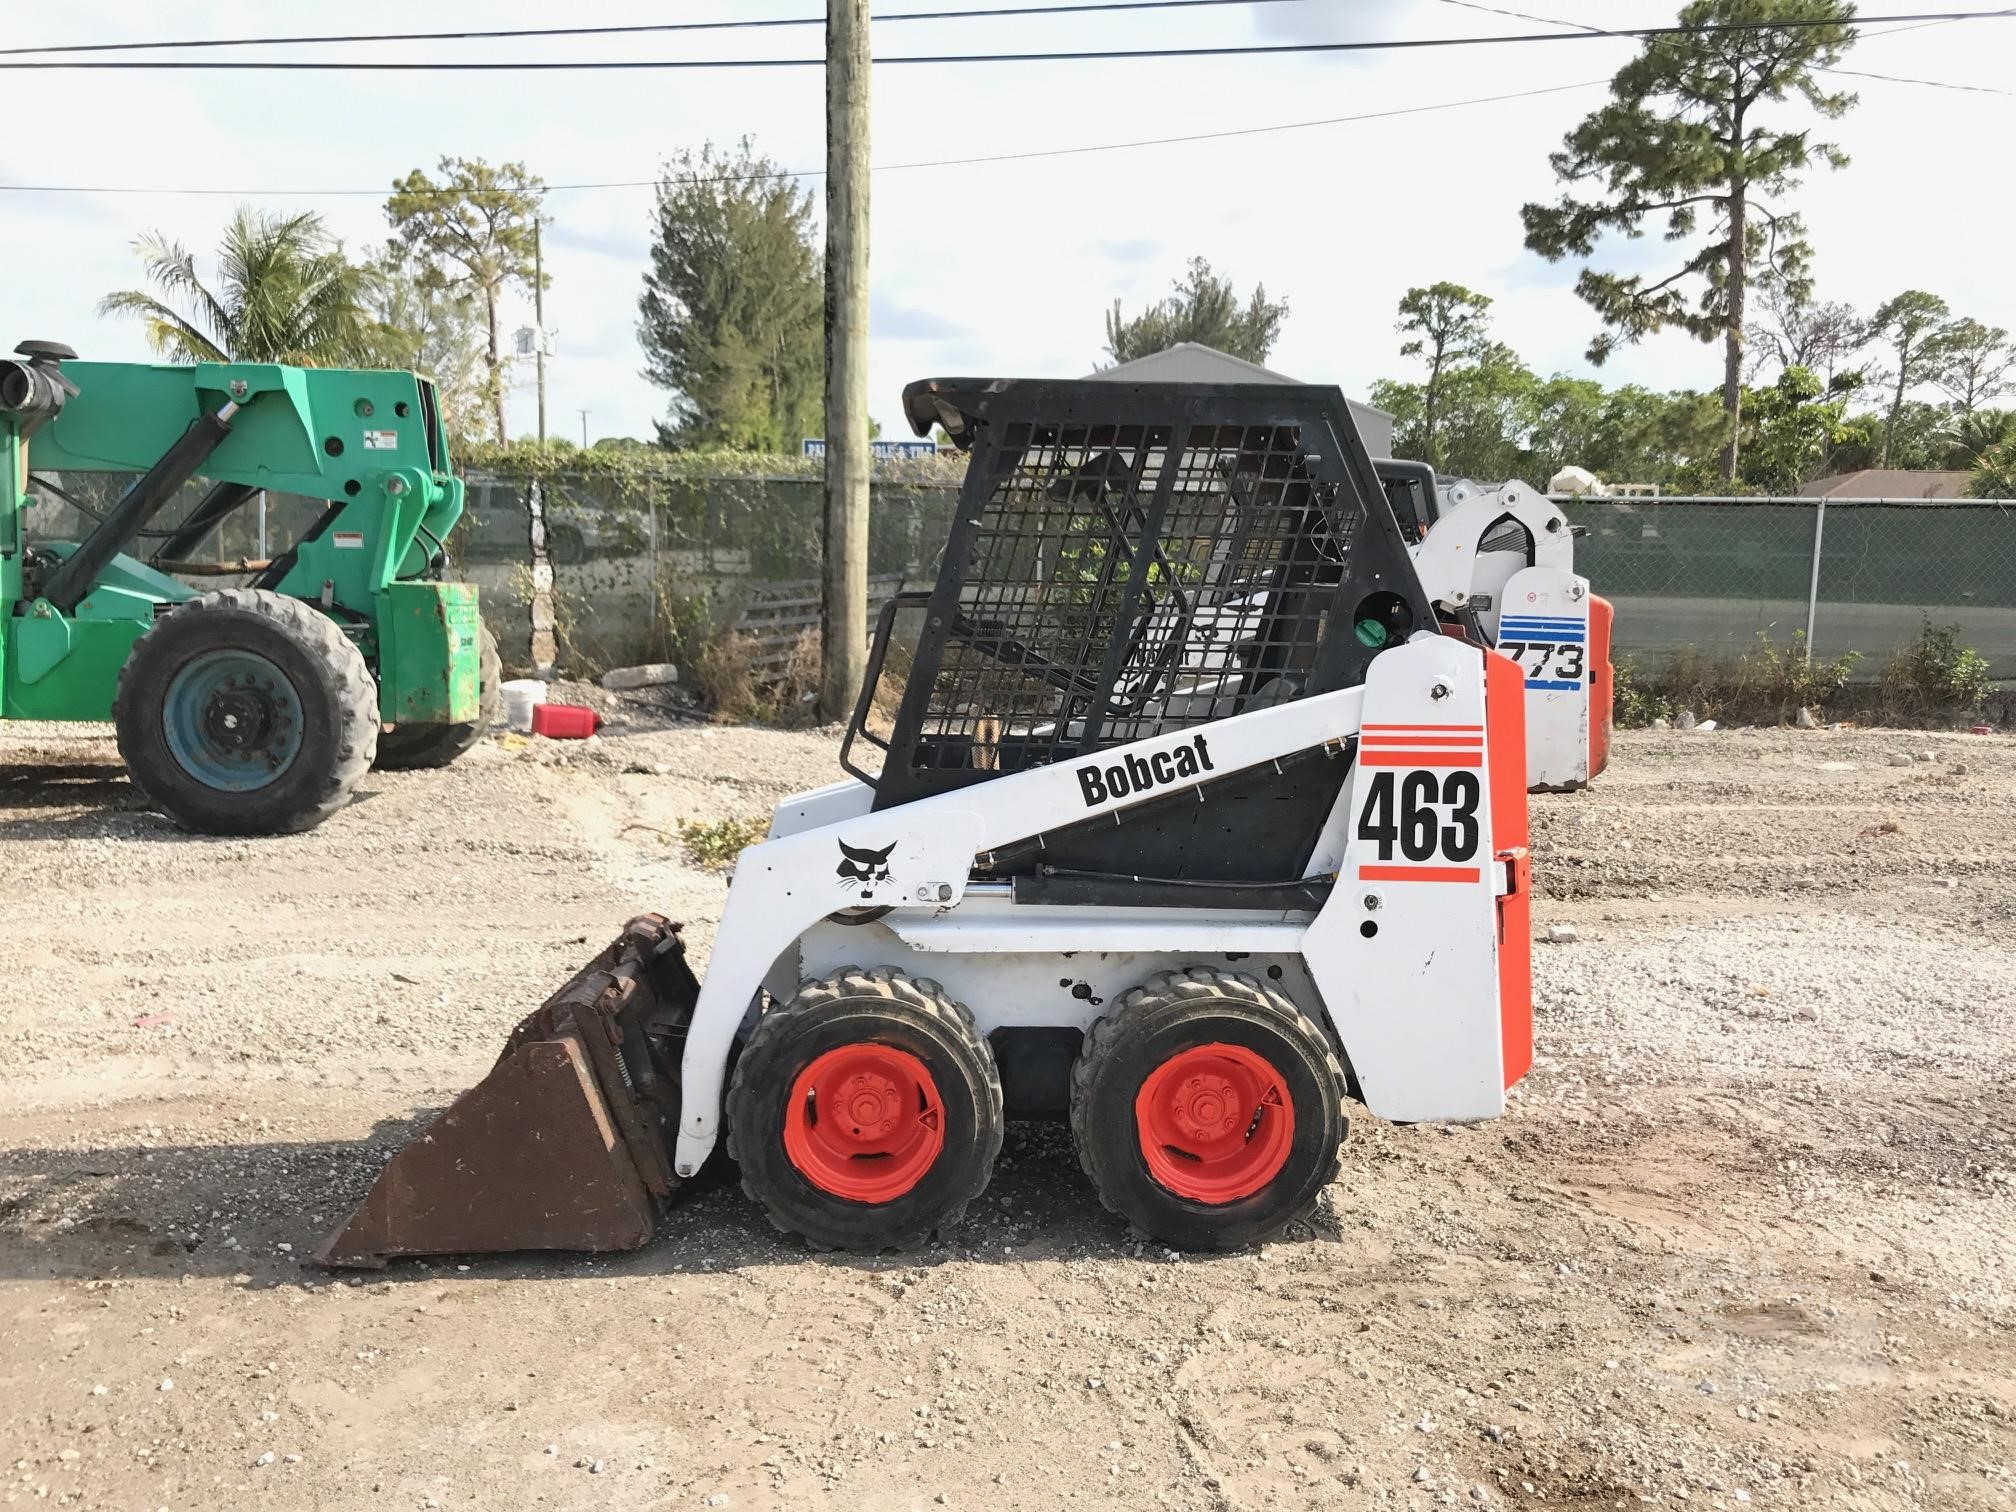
863	866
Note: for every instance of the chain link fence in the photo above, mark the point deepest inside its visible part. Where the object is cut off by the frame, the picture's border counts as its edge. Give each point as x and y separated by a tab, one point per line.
650	570
1862	576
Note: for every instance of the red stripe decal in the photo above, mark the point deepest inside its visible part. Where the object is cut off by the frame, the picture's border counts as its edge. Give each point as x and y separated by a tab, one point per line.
1419	873
1474	742
1385	758
1441	729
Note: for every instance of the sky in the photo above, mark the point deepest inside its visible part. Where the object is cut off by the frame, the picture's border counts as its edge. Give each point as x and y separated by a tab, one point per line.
999	269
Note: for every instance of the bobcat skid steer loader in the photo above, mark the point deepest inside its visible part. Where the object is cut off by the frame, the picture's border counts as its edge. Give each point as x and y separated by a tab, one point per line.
1196	823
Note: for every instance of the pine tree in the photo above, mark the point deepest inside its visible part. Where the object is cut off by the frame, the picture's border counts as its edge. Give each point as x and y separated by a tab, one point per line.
732	317
1683	139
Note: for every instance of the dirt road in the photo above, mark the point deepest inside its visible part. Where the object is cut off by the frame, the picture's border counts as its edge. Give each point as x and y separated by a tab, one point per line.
1747	1236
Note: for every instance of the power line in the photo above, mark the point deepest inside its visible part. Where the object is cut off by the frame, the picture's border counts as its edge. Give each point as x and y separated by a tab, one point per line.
1855	73
295	65
615	31
811	173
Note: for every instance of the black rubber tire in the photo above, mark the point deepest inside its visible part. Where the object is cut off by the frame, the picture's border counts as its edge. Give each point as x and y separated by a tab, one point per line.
885	1007
339	712
1173	1012
412	748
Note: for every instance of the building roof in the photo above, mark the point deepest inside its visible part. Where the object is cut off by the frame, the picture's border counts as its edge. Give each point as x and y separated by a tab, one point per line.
1193	362
1889	483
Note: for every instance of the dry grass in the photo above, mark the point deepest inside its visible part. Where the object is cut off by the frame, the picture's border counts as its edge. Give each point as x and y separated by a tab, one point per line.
738	690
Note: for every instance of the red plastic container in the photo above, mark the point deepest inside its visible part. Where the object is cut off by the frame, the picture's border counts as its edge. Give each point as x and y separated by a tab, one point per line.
565	721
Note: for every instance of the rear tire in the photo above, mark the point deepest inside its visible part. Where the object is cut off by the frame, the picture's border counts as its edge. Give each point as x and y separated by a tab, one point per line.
244	712
865	1113
1208	1110
411	748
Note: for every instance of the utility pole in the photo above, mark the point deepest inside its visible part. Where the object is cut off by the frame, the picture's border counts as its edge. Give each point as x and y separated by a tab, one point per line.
584	428
539	324
843	616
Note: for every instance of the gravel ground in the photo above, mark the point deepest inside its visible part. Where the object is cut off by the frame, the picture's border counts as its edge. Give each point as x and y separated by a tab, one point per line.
1745	1237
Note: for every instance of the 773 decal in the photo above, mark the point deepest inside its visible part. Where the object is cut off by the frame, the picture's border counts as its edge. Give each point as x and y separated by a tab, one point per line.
1545	660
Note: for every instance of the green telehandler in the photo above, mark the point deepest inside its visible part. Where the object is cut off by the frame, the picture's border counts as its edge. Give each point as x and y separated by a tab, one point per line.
251	709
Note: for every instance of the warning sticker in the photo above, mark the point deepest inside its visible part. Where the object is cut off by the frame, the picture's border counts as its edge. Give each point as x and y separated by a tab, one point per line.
381	440
347	540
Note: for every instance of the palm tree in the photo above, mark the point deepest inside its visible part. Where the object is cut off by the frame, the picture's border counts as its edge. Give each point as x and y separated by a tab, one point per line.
285	293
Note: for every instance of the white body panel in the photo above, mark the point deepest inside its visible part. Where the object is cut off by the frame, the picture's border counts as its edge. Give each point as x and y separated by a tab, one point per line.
1544	626
1541	609
1405	1004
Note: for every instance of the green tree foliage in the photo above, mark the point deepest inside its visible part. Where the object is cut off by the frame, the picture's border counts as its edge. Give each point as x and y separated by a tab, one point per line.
1446	326
1202	307
1978	364
432	328
1921	435
1995	474
1792	427
1498	420
474	231
1977	434
1912	329
732	317
1682	140
283	292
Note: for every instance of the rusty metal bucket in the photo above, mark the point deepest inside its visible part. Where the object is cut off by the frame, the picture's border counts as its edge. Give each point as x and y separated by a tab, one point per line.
566	1144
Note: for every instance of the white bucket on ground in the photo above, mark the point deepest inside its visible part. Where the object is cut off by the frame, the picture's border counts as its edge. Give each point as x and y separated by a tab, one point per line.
521	696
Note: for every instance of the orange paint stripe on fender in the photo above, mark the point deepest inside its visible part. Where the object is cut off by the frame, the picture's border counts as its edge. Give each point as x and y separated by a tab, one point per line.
1380	757
1419	873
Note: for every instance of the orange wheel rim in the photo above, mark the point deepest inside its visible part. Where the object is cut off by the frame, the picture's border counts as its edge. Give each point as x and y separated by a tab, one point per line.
1216	1123
864	1122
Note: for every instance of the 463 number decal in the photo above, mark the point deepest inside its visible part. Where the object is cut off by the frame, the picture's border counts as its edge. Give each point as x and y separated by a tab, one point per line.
1423	815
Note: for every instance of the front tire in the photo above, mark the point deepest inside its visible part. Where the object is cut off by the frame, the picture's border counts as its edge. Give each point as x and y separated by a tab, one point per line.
865	1113
1208	1110
244	712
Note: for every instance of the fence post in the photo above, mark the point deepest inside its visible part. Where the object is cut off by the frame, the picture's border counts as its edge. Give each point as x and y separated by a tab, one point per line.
1813	592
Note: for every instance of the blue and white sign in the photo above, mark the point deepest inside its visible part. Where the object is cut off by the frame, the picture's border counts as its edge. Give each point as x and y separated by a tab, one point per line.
885	451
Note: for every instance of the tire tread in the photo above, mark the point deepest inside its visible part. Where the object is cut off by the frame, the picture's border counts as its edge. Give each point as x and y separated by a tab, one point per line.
1198	984
856	982
348	675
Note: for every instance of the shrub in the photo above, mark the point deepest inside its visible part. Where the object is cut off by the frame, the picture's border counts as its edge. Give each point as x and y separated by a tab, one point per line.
1767	683
1635	704
1934	677
715	845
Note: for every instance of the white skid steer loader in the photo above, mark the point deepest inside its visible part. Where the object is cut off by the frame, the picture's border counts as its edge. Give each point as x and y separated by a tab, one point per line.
1195	821
1501	559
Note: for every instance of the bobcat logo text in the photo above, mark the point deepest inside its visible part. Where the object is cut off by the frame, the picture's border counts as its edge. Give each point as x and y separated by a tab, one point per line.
1139	774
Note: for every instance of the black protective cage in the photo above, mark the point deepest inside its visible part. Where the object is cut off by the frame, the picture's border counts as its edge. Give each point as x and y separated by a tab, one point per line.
1136	559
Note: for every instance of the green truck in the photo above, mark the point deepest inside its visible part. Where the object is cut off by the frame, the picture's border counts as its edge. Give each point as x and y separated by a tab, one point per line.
256	708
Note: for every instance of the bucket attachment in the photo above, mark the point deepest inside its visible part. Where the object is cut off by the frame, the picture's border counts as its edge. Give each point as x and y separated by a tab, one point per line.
566	1144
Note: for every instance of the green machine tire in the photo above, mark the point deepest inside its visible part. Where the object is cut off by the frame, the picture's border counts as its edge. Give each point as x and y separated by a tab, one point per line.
244	712
407	748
